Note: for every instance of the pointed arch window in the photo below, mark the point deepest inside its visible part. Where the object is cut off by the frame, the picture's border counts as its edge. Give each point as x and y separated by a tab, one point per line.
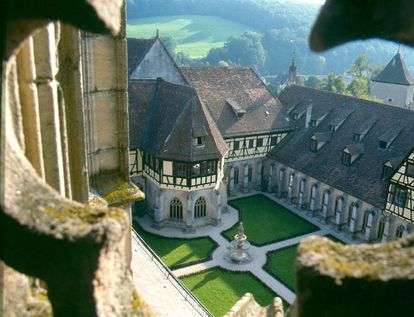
339	204
249	174
400	231
381	227
325	201
176	209
365	220
236	176
200	208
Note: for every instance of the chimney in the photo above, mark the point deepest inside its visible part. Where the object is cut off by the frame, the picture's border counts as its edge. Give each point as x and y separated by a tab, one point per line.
308	116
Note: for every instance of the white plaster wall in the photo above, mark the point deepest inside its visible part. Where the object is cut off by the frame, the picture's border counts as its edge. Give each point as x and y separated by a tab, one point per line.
400	95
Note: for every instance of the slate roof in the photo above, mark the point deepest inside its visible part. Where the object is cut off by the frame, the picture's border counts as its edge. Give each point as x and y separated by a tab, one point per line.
224	89
362	178
137	48
165	118
395	72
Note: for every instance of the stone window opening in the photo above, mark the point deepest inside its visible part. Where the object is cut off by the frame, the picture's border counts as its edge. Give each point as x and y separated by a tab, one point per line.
365	220
339	204
312	203
325	201
249	174
176	210
381	227
236	176
400	231
200	208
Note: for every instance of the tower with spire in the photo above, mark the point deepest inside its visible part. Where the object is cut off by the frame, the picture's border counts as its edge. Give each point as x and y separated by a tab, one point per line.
394	84
292	72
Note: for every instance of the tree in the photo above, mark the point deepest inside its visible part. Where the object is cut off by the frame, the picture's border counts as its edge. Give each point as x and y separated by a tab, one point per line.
361	67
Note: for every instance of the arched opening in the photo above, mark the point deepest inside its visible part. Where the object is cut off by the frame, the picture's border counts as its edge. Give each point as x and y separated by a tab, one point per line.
313	193
302	187
400	231
291	185
236	176
353	209
249	174
200	208
381	227
339	205
365	220
325	202
281	180
176	209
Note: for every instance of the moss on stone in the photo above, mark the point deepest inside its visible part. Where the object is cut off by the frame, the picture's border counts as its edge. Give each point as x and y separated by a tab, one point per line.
393	260
89	214
124	193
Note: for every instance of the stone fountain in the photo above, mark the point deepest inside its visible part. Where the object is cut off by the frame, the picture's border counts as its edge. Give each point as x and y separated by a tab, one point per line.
238	248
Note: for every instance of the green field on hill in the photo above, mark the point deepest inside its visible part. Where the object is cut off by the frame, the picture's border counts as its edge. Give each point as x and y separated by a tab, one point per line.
194	34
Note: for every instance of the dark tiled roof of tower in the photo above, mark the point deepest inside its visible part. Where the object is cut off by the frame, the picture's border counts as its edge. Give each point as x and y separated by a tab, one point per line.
237	99
165	118
137	48
395	72
363	178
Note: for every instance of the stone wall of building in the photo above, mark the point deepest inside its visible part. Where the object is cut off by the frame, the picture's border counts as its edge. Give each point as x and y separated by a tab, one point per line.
393	94
64	163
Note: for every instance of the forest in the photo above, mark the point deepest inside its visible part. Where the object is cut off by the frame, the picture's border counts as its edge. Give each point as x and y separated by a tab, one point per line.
282	30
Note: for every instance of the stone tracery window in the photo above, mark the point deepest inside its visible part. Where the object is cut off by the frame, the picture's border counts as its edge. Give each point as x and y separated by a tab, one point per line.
176	209
200	208
381	227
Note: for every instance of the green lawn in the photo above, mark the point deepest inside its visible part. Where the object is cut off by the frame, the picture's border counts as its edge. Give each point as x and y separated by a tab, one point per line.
177	253
266	221
194	34
281	264
219	289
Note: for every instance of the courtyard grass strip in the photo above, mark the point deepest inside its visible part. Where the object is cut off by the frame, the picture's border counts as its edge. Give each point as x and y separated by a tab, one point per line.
219	289
265	221
281	265
177	253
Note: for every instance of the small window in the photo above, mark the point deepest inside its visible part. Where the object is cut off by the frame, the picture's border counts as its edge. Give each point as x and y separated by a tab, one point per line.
236	145
356	137
273	140
196	169
383	144
313	145
332	128
400	196
346	158
390	100
295	116
313	123
386	171
251	142
259	142
200	141
410	169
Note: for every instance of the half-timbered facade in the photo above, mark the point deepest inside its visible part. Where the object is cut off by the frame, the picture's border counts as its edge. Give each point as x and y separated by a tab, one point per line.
177	154
344	157
249	118
400	198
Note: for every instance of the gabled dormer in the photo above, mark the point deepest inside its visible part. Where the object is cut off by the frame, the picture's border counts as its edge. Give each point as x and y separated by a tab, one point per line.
199	134
318	140
351	153
238	111
363	129
317	118
337	122
385	140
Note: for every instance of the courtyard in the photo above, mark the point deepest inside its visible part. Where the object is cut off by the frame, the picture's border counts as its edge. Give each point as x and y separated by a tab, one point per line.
198	259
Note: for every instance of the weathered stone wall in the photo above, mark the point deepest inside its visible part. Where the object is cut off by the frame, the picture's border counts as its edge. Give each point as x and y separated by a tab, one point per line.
78	254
